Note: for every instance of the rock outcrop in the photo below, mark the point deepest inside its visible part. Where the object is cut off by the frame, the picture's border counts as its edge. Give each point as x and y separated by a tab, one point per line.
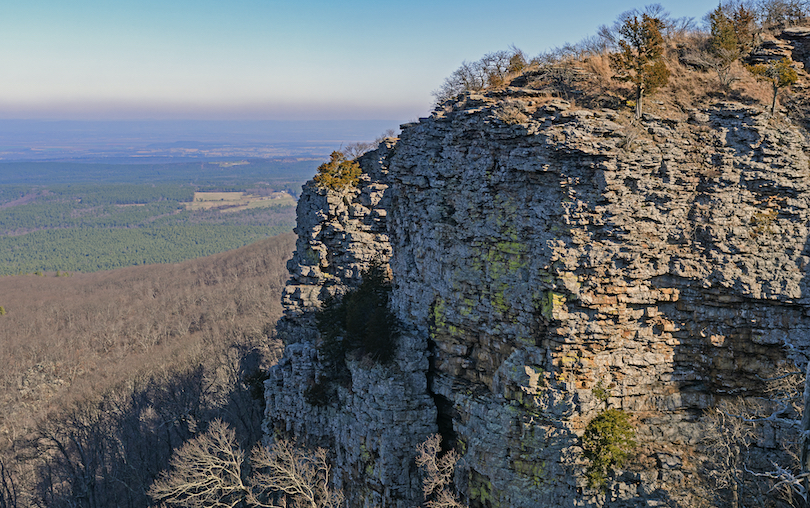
534	256
792	43
374	423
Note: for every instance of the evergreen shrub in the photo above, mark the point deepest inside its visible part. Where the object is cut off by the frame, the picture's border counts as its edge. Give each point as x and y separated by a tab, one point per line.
338	173
360	320
607	443
356	323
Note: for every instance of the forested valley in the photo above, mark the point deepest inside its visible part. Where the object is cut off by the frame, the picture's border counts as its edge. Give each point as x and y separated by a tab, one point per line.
84	217
106	374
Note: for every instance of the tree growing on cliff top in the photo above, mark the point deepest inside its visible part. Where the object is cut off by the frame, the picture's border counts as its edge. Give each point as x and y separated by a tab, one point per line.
491	70
783	13
725	47
639	60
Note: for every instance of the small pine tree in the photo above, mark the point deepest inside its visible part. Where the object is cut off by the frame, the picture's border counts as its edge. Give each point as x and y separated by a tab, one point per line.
639	60
743	19
360	319
724	46
780	74
732	30
723	41
517	62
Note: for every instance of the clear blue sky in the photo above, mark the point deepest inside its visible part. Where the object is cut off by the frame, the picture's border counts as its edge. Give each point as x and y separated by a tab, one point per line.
267	59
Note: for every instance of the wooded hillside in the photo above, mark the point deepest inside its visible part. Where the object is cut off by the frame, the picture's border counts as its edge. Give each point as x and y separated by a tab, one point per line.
105	374
86	227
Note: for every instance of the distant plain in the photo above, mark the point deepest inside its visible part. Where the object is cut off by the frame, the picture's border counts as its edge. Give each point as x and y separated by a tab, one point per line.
82	196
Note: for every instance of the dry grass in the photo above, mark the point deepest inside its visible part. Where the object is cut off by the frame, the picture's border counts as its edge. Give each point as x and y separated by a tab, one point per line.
689	87
237	201
511	112
218	196
599	89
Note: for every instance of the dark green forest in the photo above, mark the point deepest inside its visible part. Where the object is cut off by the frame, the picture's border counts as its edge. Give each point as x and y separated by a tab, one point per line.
91	217
92	249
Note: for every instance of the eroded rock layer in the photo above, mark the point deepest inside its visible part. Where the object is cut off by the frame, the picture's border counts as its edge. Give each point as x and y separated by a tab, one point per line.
536	255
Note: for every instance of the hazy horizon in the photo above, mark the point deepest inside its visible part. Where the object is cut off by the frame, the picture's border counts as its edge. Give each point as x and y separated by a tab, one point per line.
83	139
267	59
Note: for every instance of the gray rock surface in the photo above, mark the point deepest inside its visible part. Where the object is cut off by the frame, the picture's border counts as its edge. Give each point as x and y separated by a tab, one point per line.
664	258
373	424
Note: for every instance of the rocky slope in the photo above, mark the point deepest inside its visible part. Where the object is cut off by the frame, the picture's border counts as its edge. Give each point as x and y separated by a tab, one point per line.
538	249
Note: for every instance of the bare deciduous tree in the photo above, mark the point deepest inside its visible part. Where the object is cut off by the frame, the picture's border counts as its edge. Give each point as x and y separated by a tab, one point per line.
8	488
491	70
783	13
734	426
437	473
211	470
205	472
355	150
729	433
786	391
300	476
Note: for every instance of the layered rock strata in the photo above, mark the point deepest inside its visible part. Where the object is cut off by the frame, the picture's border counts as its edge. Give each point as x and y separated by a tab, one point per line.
538	249
372	424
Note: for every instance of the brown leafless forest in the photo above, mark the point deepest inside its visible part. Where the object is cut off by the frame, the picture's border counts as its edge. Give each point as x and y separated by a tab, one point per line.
105	374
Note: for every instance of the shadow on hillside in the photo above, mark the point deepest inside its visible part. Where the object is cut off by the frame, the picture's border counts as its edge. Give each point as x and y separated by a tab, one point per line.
108	452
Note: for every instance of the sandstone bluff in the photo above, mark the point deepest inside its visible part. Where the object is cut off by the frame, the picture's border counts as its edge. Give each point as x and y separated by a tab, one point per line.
534	258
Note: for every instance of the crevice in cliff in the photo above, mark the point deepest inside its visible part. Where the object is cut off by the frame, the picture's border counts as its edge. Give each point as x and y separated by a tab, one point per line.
445	410
445	413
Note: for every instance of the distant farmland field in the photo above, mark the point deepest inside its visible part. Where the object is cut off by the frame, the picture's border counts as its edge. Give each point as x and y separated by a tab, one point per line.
237	201
86	216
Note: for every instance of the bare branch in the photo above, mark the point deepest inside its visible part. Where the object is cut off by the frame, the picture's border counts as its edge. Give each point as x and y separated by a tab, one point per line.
783	376
205	472
304	477
438	472
785	478
209	471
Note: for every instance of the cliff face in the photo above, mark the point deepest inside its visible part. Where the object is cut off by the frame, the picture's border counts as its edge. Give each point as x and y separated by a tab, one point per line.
535	255
374	422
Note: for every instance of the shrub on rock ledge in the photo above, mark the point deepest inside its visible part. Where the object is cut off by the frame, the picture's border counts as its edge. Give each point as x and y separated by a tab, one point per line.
607	442
338	173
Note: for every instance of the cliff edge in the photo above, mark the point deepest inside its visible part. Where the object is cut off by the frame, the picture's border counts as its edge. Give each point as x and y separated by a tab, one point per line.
535	256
